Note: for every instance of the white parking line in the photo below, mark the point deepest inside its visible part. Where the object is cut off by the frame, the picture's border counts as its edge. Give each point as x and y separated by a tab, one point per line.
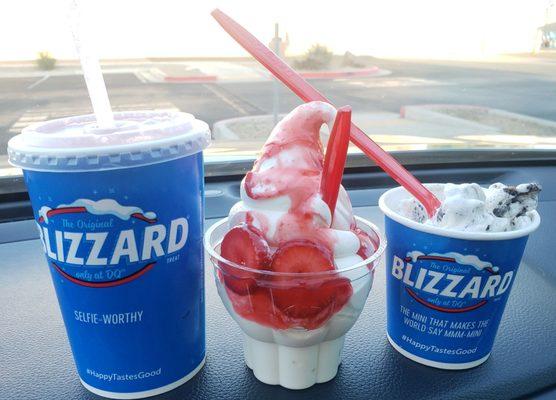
139	75
229	101
26	119
154	75
396	83
38	82
32	116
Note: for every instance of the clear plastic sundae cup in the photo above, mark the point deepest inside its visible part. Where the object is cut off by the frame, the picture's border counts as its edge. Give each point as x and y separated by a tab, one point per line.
293	324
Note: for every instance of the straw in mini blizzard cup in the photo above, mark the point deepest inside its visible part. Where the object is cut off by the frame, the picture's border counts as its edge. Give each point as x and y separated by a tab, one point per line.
308	93
446	289
120	216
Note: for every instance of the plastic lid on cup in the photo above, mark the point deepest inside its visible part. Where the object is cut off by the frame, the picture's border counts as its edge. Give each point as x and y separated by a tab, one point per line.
138	138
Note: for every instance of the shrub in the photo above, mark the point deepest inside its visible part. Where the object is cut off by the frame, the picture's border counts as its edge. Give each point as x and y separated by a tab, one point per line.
317	57
350	60
46	61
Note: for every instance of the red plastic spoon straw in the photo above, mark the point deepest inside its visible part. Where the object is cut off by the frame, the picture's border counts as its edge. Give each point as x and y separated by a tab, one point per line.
308	93
335	158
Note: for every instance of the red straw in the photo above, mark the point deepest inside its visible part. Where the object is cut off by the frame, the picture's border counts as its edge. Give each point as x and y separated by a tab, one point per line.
335	158
308	93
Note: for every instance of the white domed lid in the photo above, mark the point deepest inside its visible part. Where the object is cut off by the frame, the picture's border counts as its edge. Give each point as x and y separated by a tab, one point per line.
138	138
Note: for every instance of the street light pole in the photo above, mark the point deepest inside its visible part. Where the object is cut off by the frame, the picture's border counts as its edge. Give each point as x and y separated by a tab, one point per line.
275	84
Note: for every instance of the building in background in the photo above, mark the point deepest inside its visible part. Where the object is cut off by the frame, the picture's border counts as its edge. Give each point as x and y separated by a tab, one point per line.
548	30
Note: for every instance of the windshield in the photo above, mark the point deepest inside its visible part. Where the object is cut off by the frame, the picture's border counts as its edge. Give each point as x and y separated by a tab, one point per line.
420	76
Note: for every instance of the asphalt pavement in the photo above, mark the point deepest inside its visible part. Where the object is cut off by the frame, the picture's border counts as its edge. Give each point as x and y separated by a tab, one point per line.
524	87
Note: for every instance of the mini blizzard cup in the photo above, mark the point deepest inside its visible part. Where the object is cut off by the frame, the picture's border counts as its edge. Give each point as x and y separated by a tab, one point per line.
120	216
446	289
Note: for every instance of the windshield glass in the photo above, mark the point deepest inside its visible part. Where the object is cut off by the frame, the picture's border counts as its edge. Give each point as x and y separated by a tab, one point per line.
419	76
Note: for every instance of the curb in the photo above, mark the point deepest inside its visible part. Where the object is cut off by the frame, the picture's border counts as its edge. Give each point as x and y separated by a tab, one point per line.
427	113
527	118
340	74
193	78
221	129
305	74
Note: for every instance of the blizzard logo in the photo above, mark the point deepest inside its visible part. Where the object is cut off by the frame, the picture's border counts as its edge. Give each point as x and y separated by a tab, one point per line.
157	240
79	240
450	285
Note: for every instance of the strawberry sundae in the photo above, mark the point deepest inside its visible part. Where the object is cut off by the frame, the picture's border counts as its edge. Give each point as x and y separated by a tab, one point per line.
293	273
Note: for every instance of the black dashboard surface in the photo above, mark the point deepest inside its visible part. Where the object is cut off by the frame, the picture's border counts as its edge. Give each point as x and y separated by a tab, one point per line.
36	363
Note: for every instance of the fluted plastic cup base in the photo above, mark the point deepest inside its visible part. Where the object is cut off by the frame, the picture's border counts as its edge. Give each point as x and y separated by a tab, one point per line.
293	367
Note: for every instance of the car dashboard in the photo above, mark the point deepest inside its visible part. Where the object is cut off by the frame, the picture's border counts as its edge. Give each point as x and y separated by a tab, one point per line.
36	361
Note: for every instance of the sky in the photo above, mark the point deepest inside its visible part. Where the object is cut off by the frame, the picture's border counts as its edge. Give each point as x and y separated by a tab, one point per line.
386	28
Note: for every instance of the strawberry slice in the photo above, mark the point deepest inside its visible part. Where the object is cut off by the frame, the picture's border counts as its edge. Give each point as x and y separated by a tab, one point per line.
243	245
257	306
311	306
307	302
367	247
302	256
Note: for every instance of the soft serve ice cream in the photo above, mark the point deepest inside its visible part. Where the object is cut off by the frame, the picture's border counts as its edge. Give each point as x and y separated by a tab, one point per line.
469	207
281	197
294	326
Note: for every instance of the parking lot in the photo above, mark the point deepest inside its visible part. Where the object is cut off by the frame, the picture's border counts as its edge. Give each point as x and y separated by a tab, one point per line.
524	85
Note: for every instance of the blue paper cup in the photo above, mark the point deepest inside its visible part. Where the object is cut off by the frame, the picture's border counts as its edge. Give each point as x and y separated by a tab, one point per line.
121	226
446	290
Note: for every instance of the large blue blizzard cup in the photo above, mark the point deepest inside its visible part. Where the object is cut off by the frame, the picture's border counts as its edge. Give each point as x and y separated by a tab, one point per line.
120	217
446	289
